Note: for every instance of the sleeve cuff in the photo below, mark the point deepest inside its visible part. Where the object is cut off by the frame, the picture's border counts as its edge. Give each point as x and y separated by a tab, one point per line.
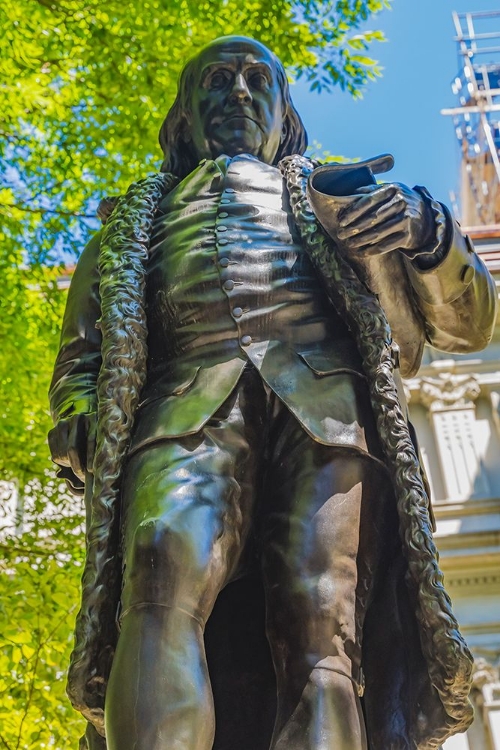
431	255
448	280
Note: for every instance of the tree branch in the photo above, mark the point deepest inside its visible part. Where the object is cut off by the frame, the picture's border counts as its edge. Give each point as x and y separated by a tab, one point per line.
53	6
30	692
58	624
11	137
40	210
29	552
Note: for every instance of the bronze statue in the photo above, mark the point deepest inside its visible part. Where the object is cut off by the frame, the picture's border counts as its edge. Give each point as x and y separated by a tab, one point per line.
254	475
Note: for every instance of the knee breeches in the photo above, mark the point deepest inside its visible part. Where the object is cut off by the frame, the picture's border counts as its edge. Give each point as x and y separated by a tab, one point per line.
253	490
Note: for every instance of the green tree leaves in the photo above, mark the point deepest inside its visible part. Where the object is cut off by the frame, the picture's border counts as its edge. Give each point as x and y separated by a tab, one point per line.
39	578
84	87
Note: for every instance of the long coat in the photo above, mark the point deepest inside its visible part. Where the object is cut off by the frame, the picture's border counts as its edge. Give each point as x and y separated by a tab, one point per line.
455	305
450	307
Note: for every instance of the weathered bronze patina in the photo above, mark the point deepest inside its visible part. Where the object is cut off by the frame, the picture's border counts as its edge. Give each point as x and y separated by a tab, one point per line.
260	569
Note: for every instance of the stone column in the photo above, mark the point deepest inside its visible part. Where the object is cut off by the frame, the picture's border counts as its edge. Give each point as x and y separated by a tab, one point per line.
484	734
450	400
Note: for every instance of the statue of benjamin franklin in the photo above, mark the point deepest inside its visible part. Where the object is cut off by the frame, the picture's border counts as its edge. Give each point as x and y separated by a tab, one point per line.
260	565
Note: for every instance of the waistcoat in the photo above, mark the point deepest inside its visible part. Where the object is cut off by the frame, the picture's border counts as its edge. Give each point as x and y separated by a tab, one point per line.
229	282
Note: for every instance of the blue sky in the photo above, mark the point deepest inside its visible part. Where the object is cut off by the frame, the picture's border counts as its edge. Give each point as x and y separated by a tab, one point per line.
400	113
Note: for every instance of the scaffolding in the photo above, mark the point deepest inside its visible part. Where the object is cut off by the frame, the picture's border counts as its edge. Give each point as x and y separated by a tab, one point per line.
477	116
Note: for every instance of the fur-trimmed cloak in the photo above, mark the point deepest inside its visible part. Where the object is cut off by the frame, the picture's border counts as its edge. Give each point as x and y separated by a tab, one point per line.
416	664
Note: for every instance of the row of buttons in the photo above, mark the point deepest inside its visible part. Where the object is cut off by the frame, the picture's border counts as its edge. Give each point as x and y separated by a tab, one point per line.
228	285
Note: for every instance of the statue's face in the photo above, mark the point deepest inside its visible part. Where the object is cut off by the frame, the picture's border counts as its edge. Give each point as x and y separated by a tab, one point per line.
236	102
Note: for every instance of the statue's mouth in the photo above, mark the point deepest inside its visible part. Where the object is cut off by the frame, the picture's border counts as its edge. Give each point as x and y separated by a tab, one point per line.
240	118
235	118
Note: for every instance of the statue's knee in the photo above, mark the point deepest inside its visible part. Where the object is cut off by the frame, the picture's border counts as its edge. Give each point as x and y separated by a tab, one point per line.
327	593
166	546
317	611
333	673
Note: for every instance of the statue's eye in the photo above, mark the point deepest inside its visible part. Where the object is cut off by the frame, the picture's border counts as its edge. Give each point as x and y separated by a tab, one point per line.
258	81
218	79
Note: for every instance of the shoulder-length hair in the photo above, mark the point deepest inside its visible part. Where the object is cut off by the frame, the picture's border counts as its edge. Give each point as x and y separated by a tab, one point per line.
178	151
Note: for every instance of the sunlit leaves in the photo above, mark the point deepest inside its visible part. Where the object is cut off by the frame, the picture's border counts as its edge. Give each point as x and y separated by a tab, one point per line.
84	87
39	575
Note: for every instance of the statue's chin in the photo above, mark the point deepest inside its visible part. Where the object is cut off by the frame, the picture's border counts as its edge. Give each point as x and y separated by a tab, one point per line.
247	139
239	136
235	150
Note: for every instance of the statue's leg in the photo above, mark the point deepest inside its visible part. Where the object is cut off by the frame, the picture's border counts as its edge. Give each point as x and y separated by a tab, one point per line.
240	667
92	740
326	536
187	512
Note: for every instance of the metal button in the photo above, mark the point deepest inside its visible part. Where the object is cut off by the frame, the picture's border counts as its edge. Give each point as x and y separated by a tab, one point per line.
237	312
224	201
202	162
246	340
222	241
221	228
467	274
228	285
223	214
224	262
229	190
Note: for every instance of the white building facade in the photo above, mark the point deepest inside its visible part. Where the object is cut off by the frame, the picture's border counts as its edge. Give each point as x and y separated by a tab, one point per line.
454	403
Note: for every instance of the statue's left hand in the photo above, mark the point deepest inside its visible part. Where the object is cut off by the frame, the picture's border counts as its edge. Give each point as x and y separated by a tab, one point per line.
72	443
385	218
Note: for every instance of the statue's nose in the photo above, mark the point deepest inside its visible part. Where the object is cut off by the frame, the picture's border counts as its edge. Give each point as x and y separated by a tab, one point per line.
240	92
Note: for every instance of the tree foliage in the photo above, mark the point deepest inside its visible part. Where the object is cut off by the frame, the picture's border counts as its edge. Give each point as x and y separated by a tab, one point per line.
84	86
41	536
40	570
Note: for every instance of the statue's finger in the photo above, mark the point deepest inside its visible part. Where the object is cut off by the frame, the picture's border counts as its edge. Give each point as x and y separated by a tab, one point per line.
367	189
394	208
366	204
58	443
377	230
77	447
388	244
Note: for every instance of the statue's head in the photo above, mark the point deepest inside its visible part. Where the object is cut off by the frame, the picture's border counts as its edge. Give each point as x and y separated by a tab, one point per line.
233	98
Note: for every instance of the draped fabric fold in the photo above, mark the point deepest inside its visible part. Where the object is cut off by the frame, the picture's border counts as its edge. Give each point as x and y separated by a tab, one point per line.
449	662
122	263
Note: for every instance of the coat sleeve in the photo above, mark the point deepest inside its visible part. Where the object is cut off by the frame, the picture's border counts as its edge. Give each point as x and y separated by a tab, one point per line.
73	387
457	298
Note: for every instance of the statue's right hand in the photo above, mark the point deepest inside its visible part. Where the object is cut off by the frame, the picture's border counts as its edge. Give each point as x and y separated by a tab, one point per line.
72	443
